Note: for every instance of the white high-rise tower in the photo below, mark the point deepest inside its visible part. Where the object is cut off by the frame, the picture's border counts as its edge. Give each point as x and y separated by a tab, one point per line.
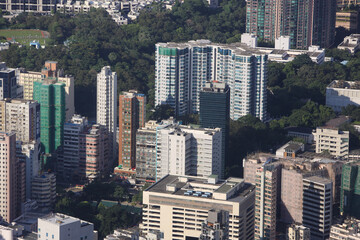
106	107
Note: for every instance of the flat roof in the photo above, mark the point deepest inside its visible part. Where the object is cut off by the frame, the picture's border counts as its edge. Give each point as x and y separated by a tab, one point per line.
60	219
299	129
238	48
318	179
183	184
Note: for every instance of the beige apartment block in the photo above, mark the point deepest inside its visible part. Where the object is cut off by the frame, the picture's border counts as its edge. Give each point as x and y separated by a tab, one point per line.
266	192
178	205
333	140
22	117
9	194
293	172
27	79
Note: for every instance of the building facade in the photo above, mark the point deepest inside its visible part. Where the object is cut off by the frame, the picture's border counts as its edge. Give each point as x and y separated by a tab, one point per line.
182	70
305	22
60	227
106	104
95	152
8	85
21	116
146	151
183	150
216	226
298	232
350	191
10	176
43	6
333	140
266	192
215	112
349	229
132	114
340	94
178	212
50	71
43	190
51	97
348	20
317	206
69	161
28	154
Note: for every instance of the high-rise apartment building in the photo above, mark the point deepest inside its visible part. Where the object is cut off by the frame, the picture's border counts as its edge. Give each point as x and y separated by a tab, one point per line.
183	150
10	195
51	72
69	160
177	206
132	112
306	22
8	85
22	117
290	183
28	154
44	190
43	6
146	151
182	70
106	104
94	152
317	206
51	97
215	112
266	192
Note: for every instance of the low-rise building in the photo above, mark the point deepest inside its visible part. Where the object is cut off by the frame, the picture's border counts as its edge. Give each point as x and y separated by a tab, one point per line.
60	226
333	140
177	206
301	132
282	52
349	230
340	94
298	232
351	43
290	149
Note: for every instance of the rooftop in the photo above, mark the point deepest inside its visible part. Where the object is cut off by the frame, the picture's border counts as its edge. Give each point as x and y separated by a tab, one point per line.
299	129
62	219
201	187
317	179
238	48
344	84
337	122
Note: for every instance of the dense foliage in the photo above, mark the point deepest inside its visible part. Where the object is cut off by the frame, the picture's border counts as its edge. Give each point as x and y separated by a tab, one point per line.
296	90
87	206
94	40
